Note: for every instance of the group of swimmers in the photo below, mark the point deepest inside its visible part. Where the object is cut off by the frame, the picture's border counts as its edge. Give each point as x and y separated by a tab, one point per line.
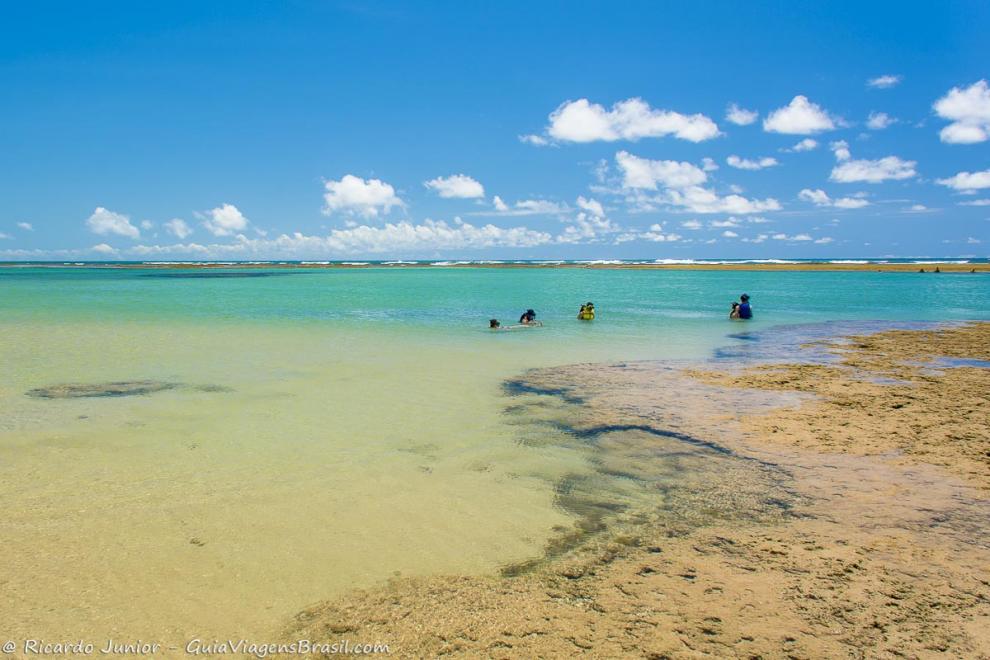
528	318
740	310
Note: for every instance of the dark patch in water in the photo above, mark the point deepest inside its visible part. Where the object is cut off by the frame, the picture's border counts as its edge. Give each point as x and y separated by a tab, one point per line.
115	389
747	336
518	387
207	275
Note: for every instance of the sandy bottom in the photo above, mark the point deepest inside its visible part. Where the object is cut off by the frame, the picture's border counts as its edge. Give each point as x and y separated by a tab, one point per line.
824	510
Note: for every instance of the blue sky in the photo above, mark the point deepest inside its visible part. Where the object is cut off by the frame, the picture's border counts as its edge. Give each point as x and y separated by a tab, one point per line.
338	130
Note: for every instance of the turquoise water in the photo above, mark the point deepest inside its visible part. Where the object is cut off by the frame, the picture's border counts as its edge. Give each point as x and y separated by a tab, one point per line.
325	429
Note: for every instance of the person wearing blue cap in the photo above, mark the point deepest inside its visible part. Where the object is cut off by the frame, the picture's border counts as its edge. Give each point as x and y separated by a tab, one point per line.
745	311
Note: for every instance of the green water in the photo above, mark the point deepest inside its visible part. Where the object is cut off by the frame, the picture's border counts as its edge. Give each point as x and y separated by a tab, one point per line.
352	426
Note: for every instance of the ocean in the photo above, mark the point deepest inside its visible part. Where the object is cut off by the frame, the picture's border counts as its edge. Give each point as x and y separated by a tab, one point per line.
192	451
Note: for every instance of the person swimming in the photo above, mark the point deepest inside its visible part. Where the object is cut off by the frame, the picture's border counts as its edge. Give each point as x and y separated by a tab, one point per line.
494	324
734	312
745	311
528	317
587	312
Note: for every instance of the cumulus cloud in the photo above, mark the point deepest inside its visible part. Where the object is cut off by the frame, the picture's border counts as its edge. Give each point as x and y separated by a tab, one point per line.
819	197
967	181
178	228
398	238
589	224
224	220
26	226
976	202
654	234
103	248
644	173
740	116
104	221
535	140
632	119
884	82
799	117
524	207
353	195
868	171
708	165
680	184
879	121
729	234
459	186
969	111
747	164
794	238
807	144
691	224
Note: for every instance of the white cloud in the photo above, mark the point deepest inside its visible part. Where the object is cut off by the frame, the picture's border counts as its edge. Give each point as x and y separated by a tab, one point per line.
26	226
588	224
147	224
632	119
355	196
224	220
973	241
535	140
655	234
644	173
746	164
824	240
459	186
795	238
702	200
969	111
104	221
868	171
708	165
967	181
524	207
879	121
729	234
884	82
807	144
740	116
799	117
103	248
917	208
4	236
728	222
841	150
819	197
397	238
976	202
691	224
178	228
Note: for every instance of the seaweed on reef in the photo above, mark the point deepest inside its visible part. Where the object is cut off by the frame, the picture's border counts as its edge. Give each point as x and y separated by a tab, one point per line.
116	389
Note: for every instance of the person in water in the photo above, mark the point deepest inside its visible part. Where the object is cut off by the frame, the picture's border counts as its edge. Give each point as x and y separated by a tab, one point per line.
494	324
528	318
745	311
734	312
587	312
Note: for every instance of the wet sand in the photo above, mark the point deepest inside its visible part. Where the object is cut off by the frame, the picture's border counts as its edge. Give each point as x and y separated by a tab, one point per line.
827	510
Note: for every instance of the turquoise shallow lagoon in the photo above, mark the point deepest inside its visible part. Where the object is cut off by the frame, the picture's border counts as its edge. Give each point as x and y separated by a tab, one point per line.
325	429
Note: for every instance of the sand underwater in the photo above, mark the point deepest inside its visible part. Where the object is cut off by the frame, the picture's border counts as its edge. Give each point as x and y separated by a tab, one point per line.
181	461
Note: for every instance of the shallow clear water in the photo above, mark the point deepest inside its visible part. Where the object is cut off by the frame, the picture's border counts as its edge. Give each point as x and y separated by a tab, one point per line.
327	428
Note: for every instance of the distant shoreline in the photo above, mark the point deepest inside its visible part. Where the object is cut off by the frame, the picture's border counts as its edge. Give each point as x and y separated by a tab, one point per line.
953	266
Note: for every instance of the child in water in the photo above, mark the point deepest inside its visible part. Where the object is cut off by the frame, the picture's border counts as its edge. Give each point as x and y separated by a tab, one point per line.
734	312
587	312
